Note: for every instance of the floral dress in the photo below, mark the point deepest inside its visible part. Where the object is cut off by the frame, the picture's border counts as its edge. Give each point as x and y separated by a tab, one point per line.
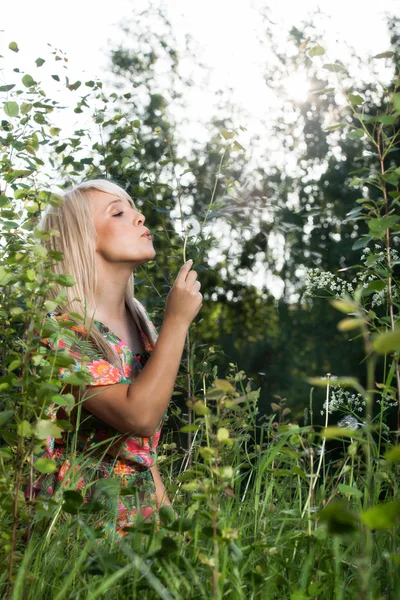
94	450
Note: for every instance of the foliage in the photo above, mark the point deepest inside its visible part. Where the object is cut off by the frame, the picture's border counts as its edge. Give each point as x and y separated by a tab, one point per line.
267	508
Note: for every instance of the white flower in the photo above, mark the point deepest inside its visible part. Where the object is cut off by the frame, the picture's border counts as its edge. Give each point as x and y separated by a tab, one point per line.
349	422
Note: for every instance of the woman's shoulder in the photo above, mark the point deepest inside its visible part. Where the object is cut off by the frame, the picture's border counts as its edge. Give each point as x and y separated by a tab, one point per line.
65	333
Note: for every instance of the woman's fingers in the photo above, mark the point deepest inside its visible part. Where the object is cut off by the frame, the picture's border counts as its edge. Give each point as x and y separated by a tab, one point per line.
183	271
196	285
191	277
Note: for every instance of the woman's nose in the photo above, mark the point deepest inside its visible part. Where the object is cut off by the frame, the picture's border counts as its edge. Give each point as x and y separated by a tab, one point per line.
139	218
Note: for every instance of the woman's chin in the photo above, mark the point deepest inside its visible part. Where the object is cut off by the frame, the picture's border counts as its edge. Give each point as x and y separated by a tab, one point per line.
150	256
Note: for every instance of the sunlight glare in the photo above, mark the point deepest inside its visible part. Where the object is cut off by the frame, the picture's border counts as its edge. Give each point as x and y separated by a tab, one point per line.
297	86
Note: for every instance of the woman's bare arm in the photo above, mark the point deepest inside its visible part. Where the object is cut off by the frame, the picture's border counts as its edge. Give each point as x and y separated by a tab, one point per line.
161	492
138	408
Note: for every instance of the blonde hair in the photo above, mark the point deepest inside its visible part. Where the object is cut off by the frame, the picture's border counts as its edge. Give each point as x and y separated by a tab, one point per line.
76	241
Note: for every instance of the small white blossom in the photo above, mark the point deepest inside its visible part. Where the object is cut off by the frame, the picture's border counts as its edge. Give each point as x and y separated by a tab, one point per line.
349	422
345	401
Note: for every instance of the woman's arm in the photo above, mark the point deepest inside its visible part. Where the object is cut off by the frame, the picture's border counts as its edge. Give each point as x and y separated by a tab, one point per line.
138	408
161	493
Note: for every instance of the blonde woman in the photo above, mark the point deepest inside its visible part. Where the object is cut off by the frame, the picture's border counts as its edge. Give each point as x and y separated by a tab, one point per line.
129	369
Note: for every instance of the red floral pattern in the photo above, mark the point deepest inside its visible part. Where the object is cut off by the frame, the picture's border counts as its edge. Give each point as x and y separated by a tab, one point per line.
126	457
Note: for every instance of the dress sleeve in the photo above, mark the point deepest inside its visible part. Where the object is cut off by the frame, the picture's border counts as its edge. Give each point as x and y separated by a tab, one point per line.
73	338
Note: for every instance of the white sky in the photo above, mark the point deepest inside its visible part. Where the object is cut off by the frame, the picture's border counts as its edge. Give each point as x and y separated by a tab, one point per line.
229	39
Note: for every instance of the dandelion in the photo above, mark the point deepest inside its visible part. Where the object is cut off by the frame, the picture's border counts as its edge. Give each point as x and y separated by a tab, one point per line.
192	227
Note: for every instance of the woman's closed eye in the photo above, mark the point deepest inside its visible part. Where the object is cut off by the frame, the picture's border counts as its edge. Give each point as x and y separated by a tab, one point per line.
118	215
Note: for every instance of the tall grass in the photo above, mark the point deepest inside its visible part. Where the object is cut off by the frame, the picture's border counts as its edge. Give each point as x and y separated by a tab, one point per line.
262	514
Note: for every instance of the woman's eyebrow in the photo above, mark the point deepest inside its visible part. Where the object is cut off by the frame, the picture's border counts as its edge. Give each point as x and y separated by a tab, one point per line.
113	202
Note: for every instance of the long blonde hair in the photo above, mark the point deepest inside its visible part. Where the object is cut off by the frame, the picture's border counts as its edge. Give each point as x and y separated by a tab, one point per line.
76	241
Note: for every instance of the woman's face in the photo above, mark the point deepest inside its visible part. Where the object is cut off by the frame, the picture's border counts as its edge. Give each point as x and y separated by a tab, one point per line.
121	233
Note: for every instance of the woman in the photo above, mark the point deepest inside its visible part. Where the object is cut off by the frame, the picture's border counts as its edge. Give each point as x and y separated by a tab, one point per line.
129	370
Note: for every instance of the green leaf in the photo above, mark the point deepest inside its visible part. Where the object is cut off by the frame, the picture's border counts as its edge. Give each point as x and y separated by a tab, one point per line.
227	134
28	81
24	429
5	276
361	243
25	108
335	68
56	200
45	428
45	465
396	102
91	507
379	226
393	454
386	119
67	400
108	487
222	434
13	46
181	524
345	306
356	134
72	501
238	146
39	62
14	364
356	99
50	306
56	77
74	86
200	408
374	286
65	280
11	109
324	91
7	88
387	342
388	54
338	518
383	516
349	489
336	126
365	117
187	428
316	51
349	324
223	384
5	416
167	514
331	433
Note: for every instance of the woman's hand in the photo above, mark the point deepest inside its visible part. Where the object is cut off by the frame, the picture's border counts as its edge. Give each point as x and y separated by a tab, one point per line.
184	299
